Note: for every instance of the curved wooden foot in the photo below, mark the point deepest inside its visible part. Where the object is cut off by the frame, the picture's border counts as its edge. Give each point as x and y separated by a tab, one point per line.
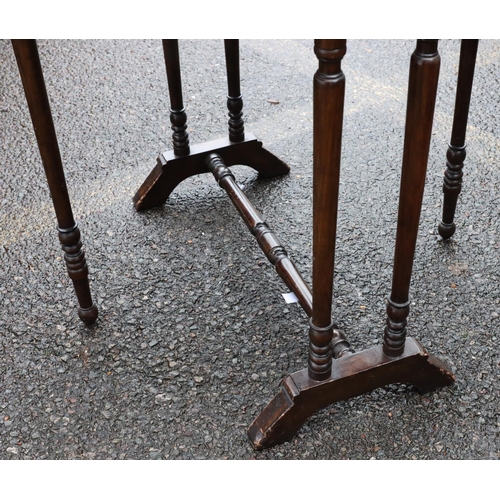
351	376
446	231
171	170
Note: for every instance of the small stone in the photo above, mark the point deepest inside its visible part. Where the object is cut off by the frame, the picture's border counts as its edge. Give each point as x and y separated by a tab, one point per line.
162	398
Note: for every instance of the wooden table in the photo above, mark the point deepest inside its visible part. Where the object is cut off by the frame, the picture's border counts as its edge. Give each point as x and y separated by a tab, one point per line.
28	62
334	372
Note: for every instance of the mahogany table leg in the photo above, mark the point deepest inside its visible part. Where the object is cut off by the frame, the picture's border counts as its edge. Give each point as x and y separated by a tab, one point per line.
28	61
331	380
422	88
234	99
456	151
178	116
184	161
328	95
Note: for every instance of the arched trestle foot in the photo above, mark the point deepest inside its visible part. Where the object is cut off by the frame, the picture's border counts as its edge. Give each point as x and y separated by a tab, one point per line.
362	372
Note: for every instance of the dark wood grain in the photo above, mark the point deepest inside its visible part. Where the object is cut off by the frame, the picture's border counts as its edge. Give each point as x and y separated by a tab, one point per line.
178	118
171	170
335	372
328	112
267	240
300	396
184	161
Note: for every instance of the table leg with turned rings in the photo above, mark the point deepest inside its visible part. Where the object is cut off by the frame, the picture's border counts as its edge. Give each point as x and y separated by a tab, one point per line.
30	69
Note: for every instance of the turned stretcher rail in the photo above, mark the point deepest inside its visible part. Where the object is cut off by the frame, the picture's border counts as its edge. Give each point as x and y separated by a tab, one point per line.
267	240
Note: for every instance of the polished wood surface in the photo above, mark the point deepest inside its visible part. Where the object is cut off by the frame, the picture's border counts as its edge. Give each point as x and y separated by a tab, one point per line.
330	378
171	169
234	98
267	240
422	89
334	371
178	118
300	396
28	61
328	114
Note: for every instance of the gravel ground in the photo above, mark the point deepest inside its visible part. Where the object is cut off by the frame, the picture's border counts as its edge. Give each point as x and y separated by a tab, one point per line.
194	336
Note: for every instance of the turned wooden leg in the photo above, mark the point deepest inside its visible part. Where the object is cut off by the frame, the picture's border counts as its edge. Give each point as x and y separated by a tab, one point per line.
422	88
328	93
28	61
456	151
234	99
178	117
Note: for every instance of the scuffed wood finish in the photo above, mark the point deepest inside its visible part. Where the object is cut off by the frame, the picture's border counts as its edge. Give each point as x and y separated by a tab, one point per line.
398	360
28	61
334	372
171	170
422	88
184	161
456	153
300	396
